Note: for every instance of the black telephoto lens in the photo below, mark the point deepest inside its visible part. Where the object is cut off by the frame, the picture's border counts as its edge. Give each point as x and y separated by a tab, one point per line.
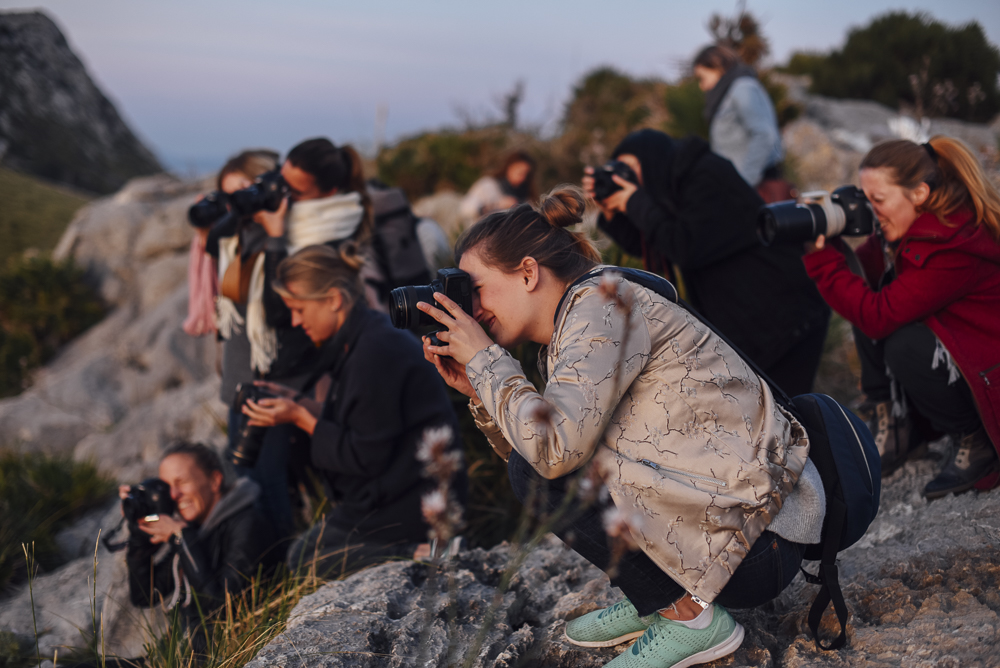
790	221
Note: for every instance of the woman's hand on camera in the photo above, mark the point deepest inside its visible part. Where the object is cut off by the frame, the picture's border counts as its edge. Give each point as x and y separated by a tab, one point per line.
618	200
271	412
162	529
464	338
273	222
818	244
451	371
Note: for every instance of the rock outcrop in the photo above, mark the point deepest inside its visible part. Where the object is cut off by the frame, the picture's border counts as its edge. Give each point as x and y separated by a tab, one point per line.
922	587
54	121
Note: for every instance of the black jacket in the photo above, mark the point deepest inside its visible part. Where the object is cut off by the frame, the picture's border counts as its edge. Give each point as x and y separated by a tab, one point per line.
382	398
699	214
223	554
297	355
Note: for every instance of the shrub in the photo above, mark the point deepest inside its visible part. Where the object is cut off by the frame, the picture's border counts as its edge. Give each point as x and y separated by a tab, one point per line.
911	60
39	495
43	304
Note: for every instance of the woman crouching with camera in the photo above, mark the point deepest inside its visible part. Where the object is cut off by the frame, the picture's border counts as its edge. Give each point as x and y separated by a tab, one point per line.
366	407
691	444
927	310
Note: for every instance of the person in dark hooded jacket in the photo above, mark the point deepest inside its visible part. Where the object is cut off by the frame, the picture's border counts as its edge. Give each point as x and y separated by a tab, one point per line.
216	543
691	211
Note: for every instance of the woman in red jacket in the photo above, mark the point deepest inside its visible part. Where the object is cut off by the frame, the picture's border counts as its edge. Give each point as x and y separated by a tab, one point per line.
927	311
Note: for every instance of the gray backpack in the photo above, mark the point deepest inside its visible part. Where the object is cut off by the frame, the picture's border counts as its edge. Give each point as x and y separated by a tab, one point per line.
395	243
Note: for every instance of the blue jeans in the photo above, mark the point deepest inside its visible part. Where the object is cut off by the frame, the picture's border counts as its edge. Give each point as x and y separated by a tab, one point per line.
769	567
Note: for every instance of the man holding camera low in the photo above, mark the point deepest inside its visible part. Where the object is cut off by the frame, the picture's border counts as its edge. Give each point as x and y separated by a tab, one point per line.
211	542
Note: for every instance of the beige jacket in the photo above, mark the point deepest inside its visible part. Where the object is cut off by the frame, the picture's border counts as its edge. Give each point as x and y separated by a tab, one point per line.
684	431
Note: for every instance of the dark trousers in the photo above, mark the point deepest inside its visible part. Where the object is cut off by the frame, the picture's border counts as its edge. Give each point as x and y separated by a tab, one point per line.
347	539
913	356
796	370
284	447
771	564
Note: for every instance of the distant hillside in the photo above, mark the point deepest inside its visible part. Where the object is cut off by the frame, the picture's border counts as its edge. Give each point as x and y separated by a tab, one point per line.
54	121
33	214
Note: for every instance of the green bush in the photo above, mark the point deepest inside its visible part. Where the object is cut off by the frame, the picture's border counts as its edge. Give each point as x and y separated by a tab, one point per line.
39	495
43	304
911	60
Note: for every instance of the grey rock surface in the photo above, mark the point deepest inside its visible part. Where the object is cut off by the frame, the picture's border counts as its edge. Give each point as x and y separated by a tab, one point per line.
922	587
54	121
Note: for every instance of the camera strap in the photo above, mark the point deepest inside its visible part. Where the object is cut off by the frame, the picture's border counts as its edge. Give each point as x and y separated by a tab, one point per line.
112	546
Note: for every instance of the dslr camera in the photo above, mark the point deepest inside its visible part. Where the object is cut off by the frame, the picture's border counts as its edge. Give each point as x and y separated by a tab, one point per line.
452	283
845	212
145	501
250	440
604	185
266	193
209	209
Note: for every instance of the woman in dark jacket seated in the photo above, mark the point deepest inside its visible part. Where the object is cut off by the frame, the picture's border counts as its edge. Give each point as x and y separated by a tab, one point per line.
215	543
373	397
692	211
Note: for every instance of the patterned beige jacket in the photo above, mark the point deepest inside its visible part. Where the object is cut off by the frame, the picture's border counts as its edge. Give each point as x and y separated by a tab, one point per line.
684	431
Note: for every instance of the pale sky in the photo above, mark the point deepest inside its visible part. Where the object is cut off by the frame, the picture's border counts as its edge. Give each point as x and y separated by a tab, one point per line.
199	80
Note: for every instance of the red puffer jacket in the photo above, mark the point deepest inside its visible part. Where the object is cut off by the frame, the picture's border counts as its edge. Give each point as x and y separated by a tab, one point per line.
948	277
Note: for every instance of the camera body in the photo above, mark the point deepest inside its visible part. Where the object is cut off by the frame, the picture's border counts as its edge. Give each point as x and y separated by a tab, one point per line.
250	440
209	209
264	195
604	185
845	212
149	497
452	283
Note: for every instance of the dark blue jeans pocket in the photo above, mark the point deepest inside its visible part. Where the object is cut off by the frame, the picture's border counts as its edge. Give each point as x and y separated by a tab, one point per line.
765	572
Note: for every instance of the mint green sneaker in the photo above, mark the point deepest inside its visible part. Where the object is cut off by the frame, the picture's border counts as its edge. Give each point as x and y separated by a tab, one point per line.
667	644
608	627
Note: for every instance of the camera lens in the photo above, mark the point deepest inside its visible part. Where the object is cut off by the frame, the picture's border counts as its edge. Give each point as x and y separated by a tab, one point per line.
790	221
403	309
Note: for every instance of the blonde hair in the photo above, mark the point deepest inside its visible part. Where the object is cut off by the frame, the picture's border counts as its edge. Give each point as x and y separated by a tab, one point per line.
956	178
320	269
250	163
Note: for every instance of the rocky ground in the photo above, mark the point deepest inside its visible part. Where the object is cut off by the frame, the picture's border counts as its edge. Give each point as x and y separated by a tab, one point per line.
922	585
922	588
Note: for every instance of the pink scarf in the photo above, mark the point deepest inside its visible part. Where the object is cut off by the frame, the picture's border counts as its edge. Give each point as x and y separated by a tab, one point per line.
203	286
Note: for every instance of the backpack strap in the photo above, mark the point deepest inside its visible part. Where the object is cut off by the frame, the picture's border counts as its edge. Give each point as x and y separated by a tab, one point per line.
829	577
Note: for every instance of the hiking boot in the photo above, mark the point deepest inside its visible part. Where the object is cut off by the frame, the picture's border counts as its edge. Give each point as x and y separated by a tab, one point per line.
669	644
973	458
892	434
608	627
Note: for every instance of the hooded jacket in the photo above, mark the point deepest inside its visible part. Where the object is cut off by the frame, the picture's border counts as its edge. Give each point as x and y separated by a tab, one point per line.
218	556
947	277
695	211
687	436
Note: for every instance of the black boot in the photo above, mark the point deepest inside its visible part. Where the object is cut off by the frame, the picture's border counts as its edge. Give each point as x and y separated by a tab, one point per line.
973	458
892	434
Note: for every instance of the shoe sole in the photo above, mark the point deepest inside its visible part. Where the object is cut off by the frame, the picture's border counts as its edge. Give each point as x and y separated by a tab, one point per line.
607	643
725	648
930	496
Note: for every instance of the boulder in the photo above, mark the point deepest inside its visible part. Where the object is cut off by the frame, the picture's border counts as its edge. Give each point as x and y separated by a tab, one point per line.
921	586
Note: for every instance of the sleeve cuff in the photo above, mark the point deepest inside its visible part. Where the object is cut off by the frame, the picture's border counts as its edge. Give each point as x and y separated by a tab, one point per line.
826	255
274	244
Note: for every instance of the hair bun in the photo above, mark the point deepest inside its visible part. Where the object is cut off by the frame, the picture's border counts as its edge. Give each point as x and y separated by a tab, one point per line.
350	254
564	206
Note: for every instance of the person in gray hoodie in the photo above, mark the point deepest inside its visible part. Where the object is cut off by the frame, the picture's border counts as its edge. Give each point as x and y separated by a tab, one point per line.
743	126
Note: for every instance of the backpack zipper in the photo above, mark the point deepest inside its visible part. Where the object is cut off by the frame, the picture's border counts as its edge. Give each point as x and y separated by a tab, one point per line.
686	474
860	444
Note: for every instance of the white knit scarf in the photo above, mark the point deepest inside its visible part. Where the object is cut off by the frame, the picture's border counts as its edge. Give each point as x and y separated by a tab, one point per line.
314	221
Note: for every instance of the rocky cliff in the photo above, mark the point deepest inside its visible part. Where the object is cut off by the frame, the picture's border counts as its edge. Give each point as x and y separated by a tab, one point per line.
54	121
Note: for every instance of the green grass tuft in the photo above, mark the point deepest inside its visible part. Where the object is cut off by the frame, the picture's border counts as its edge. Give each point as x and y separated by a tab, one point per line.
34	213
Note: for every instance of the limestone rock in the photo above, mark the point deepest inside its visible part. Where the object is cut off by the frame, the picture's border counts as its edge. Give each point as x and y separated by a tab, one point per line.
65	603
54	121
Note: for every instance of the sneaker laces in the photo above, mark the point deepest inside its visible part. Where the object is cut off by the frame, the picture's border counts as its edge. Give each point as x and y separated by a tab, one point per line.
613	610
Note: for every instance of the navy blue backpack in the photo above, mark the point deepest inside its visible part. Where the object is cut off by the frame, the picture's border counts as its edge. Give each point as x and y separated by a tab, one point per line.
843	451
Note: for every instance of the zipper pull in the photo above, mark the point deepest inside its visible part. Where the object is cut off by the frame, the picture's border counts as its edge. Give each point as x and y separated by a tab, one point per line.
652	465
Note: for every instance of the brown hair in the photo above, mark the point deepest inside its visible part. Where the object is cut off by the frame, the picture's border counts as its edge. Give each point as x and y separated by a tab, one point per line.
529	180
717	57
504	238
250	163
339	168
321	268
956	178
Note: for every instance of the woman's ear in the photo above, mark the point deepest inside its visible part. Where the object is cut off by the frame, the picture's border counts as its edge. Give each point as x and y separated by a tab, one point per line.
919	195
216	481
335	299
530	273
